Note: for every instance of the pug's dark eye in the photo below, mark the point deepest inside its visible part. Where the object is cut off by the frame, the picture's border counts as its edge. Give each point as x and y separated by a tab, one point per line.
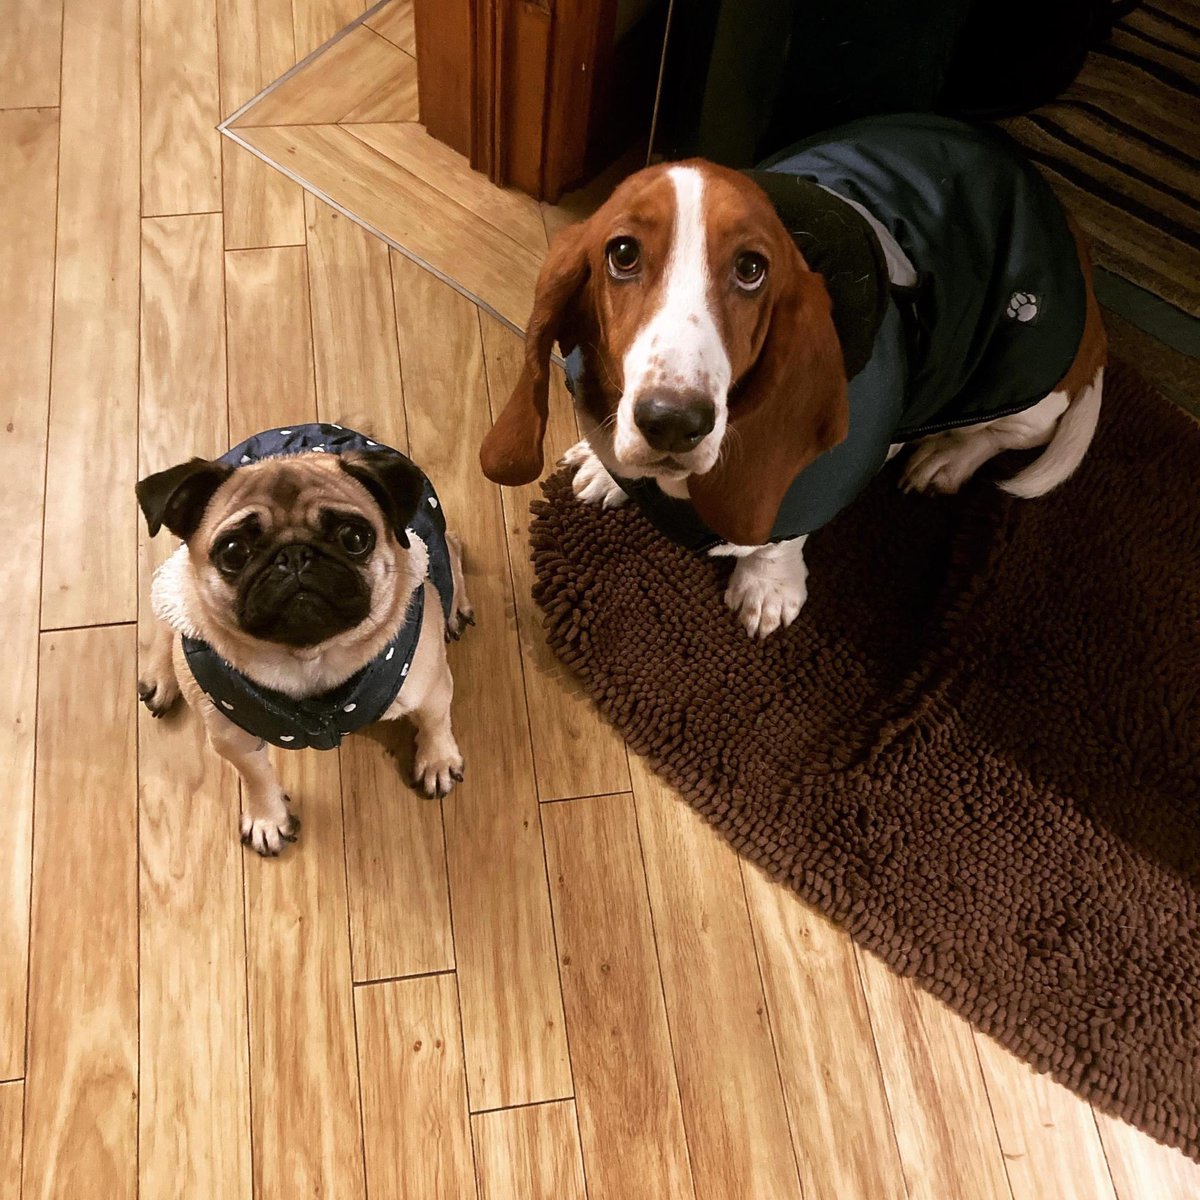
624	255
231	555
356	540
749	269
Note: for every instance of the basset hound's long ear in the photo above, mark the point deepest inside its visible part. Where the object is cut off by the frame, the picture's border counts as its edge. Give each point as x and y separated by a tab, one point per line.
511	453
790	408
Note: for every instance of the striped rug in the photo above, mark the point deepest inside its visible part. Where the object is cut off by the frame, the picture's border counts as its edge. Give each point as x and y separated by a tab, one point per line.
1122	148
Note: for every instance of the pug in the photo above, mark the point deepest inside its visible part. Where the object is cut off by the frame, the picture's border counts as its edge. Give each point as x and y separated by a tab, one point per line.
313	594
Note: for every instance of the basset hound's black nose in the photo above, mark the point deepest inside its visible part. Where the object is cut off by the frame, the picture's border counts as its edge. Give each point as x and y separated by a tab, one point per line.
674	422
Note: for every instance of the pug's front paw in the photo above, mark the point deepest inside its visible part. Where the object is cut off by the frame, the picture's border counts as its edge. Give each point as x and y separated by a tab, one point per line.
158	693
269	835
438	770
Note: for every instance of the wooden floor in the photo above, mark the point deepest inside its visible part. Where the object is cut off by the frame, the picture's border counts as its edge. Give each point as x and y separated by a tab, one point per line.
556	983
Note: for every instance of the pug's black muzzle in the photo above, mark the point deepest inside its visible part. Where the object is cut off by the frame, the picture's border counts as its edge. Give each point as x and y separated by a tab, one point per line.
302	596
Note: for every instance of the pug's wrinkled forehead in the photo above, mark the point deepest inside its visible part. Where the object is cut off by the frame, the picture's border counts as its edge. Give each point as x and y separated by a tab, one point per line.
289	497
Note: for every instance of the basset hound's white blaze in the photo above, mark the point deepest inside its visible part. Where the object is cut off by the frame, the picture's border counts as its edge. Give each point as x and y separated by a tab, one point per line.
680	348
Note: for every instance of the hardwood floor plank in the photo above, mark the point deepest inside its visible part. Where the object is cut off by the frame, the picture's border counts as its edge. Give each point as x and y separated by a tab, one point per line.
361	70
530	1154
407	145
28	165
1048	1136
181	148
395	862
415	1122
838	1111
307	1132
89	571
625	1085
317	21
733	1103
12	1100
182	410
269	331
943	1123
516	1050
576	752
303	1067
81	1081
395	22
29	54
1143	1169
413	213
262	207
194	1115
354	327
257	45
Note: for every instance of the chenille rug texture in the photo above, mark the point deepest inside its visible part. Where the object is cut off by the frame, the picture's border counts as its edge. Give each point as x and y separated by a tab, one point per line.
978	749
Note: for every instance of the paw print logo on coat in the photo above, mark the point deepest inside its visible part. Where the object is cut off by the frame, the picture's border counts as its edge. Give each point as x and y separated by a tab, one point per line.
1023	307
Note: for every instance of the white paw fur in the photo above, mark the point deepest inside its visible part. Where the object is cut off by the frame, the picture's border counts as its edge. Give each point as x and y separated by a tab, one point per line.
768	588
592	483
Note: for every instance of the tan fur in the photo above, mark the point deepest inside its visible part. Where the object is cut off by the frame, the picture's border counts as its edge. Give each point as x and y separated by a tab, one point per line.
287	495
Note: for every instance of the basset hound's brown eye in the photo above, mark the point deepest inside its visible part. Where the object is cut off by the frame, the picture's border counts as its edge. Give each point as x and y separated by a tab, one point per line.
749	269
624	255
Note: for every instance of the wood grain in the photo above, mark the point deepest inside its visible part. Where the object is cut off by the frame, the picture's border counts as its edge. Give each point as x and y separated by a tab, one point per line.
12	1100
194	1115
530	1154
81	1086
257	45
316	21
838	1111
576	752
181	148
360	70
270	340
415	1124
28	165
516	1049
944	1129
307	1133
88	572
733	1103
303	1066
512	213
408	210
29	54
182	408
1048	1136
354	327
396	22
630	1119
395	862
1143	1169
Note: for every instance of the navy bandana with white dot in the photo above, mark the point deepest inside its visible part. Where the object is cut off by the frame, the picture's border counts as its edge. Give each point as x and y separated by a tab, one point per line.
320	722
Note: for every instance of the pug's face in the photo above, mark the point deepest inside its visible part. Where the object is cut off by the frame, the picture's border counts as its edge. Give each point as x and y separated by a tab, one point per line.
294	551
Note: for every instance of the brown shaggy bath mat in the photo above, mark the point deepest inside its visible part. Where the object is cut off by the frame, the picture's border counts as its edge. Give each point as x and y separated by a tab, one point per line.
978	748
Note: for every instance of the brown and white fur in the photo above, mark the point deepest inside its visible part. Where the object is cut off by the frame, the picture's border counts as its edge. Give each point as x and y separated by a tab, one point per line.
685	330
287	496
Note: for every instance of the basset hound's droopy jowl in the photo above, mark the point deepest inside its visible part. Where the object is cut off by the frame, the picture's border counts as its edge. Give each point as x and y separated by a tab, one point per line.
746	349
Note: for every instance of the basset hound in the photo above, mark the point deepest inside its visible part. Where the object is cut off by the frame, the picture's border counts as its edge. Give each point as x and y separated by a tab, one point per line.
746	349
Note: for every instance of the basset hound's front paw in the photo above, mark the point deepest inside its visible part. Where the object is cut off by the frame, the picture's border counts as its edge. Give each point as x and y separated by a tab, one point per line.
592	483
768	587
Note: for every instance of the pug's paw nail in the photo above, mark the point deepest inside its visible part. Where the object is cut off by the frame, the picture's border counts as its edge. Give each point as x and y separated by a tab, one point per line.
457	776
268	837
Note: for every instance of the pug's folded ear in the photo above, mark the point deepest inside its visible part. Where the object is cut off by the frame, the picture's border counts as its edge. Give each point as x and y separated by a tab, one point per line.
178	496
395	485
